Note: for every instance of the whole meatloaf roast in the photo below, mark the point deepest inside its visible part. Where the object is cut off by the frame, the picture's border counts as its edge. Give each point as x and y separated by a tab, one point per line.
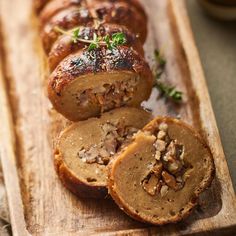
158	177
95	55
85	148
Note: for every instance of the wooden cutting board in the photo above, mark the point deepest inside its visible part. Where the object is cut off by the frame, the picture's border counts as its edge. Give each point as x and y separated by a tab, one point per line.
38	203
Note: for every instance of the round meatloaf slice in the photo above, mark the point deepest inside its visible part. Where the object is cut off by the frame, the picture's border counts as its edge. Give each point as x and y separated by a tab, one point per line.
66	19
65	45
87	83
85	148
121	13
157	179
54	6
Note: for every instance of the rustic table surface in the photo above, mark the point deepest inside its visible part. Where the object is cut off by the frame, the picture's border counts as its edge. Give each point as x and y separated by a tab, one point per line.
217	48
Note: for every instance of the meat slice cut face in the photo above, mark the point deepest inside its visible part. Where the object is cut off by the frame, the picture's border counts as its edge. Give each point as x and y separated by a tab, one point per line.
158	177
85	148
86	84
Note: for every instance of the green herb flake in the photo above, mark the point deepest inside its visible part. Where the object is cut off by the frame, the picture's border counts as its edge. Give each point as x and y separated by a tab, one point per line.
118	39
166	90
159	58
97	41
75	34
169	91
107	40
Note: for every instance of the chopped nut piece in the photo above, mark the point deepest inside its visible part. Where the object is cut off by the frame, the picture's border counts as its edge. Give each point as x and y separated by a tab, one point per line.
107	127
150	184
157	169
174	167
179	179
116	136
167	157
160	145
171	150
118	93
81	153
164	190
163	126
148	133
103	152
110	143
169	180
158	155
161	134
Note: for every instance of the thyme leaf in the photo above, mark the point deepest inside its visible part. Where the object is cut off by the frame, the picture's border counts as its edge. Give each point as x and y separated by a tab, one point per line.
166	90
169	91
118	39
75	34
114	41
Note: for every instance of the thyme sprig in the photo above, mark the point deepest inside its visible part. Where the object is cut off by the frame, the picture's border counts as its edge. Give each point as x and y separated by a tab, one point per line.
112	42
165	89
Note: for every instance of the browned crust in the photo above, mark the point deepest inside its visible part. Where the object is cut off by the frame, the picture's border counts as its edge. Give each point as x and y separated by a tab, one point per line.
120	13
75	185
65	46
134	3
55	6
99	60
193	202
65	19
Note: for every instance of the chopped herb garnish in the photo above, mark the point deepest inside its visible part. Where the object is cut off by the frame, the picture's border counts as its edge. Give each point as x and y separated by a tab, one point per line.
107	40
115	40
94	43
118	39
75	35
166	90
159	58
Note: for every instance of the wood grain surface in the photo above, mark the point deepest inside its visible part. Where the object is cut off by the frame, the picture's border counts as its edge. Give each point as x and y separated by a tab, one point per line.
38	203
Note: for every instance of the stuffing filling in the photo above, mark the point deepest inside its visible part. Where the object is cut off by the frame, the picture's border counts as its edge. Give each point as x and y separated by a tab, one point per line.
109	96
168	171
116	136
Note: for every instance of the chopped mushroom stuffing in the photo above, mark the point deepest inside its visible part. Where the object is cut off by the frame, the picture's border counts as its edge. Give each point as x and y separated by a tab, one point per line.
109	95
169	168
115	138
